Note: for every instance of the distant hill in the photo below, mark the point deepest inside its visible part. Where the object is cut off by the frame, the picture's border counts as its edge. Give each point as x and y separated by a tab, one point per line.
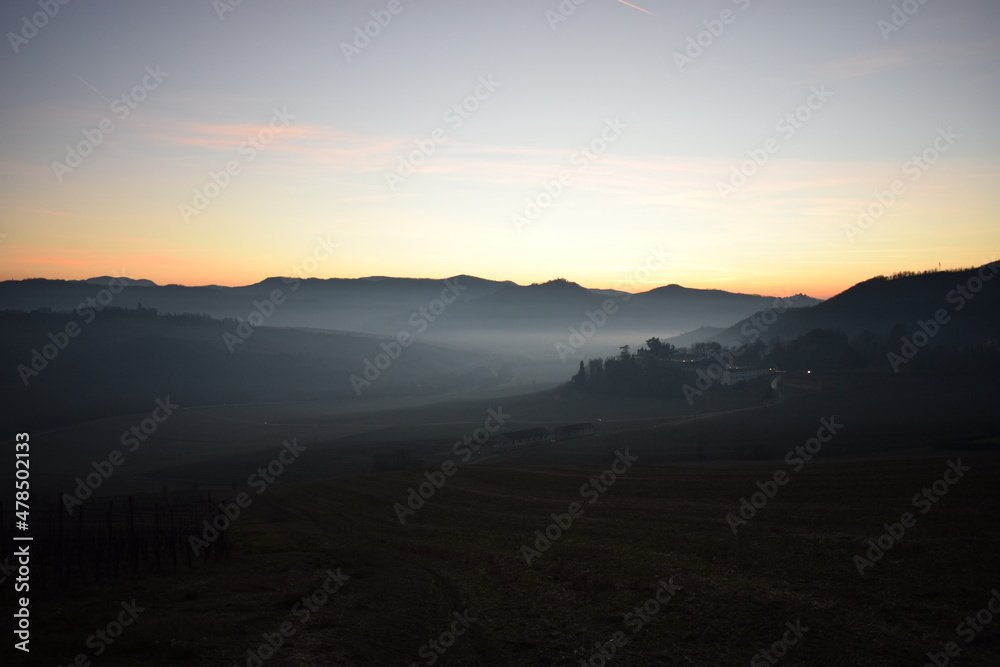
337	304
699	335
121	361
462	310
697	308
107	280
516	306
879	304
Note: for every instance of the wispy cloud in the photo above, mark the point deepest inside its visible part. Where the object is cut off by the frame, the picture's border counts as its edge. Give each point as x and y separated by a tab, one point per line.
316	144
889	59
634	7
91	86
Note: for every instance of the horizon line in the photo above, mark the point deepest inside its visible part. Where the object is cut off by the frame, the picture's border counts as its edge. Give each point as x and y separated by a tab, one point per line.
466	275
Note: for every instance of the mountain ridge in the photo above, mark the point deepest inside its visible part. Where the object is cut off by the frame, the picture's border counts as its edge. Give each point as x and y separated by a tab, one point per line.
883	304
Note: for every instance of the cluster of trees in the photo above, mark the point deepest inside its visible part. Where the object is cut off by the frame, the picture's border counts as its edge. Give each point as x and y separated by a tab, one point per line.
652	370
829	350
639	374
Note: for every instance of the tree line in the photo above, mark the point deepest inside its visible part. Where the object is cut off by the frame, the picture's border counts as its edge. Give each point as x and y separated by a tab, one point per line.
660	369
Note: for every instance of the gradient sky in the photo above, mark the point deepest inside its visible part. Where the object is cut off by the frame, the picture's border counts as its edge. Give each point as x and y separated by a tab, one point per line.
656	186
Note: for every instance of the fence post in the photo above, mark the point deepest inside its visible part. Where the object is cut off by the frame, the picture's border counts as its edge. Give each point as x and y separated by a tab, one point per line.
59	546
187	553
133	554
115	551
173	540
79	541
156	535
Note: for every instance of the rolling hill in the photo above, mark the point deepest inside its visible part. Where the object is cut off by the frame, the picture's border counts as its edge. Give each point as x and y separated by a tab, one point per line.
967	301
121	360
461	310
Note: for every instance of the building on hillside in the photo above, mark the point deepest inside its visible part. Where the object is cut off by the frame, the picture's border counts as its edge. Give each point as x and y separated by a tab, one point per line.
808	380
573	431
732	376
524	438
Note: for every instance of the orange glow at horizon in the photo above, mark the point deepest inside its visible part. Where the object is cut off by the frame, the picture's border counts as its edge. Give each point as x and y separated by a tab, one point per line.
168	271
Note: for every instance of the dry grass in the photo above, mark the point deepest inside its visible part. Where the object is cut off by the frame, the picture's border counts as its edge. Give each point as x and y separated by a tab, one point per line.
793	561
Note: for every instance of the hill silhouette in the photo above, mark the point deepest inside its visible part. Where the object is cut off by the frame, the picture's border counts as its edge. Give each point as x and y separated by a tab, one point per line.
883	304
461	310
123	359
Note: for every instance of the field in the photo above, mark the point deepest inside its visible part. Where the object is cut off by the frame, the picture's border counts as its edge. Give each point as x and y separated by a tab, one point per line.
662	525
214	447
462	551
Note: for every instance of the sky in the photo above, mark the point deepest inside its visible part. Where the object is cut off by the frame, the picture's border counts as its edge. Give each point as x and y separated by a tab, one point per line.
732	144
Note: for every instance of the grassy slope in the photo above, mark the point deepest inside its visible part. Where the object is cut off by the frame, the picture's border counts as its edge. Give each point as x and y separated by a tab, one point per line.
793	561
661	519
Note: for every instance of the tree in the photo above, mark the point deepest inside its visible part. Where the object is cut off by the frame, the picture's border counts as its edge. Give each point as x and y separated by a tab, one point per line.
660	350
596	370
